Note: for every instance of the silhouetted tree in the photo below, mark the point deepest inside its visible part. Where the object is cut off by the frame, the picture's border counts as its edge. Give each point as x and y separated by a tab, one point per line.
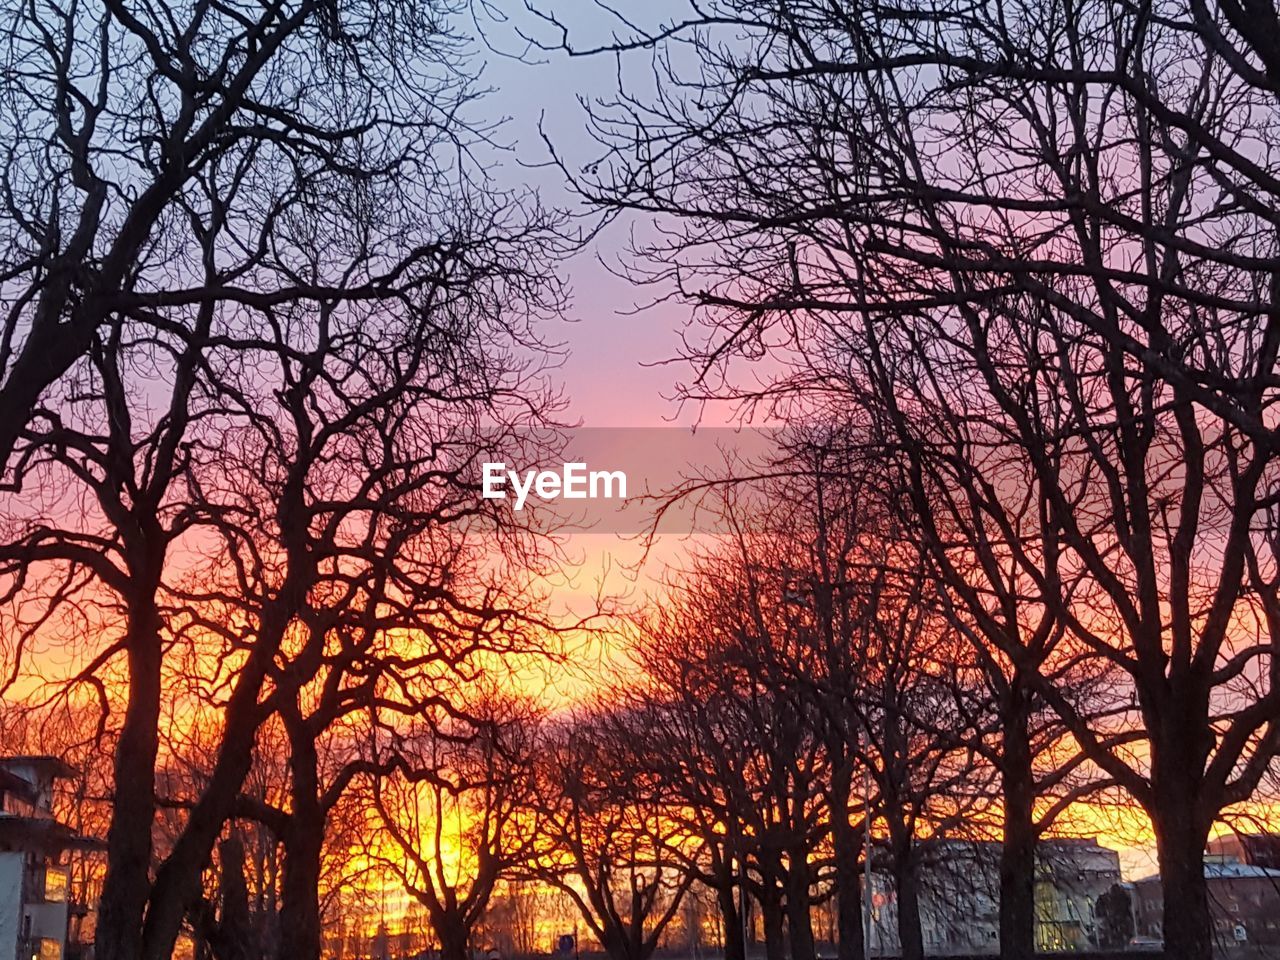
1114	911
258	305
1032	251
457	807
607	838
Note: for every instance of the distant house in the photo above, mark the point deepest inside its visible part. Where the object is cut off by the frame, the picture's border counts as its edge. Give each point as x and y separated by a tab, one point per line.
1071	875
1254	849
35	902
959	894
959	887
1244	901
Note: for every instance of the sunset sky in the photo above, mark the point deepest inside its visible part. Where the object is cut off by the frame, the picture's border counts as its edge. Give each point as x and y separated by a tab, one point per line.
605	374
614	374
648	468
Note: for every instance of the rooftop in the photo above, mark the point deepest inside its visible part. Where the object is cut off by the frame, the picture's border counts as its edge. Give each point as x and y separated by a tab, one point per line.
38	833
41	762
13	783
1228	870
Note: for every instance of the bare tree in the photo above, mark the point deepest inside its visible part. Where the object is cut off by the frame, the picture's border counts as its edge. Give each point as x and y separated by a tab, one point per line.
456	810
125	124
607	838
1036	247
412	596
723	636
517	911
700	748
819	600
335	302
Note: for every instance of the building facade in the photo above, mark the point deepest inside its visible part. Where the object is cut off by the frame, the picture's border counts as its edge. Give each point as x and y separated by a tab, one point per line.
35	902
1071	877
1253	849
959	892
1244	901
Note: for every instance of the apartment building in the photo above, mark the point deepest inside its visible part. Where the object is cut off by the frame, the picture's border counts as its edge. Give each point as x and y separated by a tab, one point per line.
35	897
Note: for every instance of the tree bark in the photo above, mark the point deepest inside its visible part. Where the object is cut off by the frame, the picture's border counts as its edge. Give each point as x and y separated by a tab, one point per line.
770	900
235	939
1018	851
799	920
910	937
303	843
846	845
177	883
627	942
849	887
178	880
1180	841
730	917
127	884
300	901
453	936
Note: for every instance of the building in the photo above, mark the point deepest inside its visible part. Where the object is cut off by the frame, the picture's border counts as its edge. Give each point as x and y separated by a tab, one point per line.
1254	849
959	891
35	901
1071	875
1244	901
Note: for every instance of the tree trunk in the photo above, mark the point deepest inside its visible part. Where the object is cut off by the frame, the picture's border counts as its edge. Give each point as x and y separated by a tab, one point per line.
626	942
799	919
1018	851
453	936
235	940
730	917
770	901
1180	841
127	884
910	937
300	892
846	846
177	881
303	843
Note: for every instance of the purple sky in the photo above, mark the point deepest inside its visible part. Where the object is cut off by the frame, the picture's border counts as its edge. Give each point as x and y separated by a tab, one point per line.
604	374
